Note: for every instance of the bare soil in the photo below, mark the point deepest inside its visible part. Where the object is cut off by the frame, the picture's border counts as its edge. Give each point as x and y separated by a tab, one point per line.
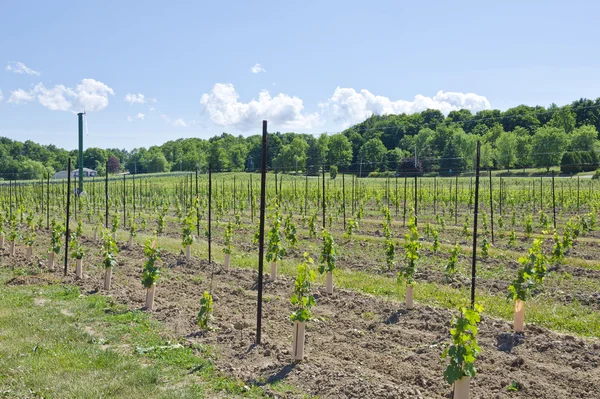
358	346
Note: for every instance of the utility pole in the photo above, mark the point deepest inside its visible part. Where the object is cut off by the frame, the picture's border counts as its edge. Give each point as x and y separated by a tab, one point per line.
80	155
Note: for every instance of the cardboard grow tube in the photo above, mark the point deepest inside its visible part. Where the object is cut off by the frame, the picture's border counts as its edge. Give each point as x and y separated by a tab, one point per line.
188	252
1	242
95	235
150	297
409	297
298	339
28	253
107	278
519	316
461	388
50	260
78	268
273	271
131	241
329	283
226	262
12	248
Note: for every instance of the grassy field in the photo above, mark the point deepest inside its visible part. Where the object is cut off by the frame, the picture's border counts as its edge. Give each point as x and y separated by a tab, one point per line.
56	343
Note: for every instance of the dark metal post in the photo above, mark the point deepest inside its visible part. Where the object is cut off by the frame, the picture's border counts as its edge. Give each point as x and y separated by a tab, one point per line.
106	197
261	238
68	214
48	202
197	206
553	202
491	206
210	212
416	203
344	198
324	196
476	212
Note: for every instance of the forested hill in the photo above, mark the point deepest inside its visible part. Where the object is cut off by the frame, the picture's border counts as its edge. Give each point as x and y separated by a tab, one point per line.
518	137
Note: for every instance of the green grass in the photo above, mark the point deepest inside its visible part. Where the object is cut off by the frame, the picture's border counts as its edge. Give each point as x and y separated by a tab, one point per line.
55	343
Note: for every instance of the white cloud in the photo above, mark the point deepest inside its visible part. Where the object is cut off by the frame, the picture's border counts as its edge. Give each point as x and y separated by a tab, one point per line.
135	98
89	94
140	116
19	67
180	123
283	111
20	96
1	96
257	68
349	106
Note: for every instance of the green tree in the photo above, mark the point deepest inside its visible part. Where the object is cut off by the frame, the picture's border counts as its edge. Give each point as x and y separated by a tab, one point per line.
93	155
523	147
547	146
506	153
584	138
340	151
563	118
452	159
317	153
373	151
292	156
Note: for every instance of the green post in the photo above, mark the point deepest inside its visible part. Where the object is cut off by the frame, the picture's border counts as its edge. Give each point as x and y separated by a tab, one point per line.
80	155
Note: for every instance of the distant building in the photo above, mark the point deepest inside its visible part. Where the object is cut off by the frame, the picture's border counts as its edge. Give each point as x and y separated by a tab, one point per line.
75	173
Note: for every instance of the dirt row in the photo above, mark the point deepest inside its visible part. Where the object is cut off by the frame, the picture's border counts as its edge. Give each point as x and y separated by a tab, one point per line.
358	346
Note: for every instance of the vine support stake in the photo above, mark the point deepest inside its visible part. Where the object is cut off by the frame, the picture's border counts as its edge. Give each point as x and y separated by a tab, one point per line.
491	206
323	196
553	202
210	211
475	213
68	214
344	199
106	197
261	233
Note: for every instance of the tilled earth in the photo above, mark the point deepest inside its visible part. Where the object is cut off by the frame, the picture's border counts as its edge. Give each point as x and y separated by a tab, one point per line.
358	346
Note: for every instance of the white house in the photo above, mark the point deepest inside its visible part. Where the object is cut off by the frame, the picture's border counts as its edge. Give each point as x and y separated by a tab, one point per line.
75	173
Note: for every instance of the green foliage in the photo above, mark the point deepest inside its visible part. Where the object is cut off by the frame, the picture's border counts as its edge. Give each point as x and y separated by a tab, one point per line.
160	227
58	231
465	228
132	228
528	226
531	274
351	226
302	299
558	251
512	238
187	232
435	247
464	349
450	268
289	229
411	247
109	250
151	271
328	254
115	223
206	311
228	240
485	247
275	249
312	225
77	250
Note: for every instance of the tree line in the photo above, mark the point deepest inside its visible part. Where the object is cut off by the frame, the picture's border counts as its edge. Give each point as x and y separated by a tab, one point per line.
428	141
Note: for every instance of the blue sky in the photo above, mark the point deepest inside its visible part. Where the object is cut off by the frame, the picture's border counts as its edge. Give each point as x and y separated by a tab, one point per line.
323	64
